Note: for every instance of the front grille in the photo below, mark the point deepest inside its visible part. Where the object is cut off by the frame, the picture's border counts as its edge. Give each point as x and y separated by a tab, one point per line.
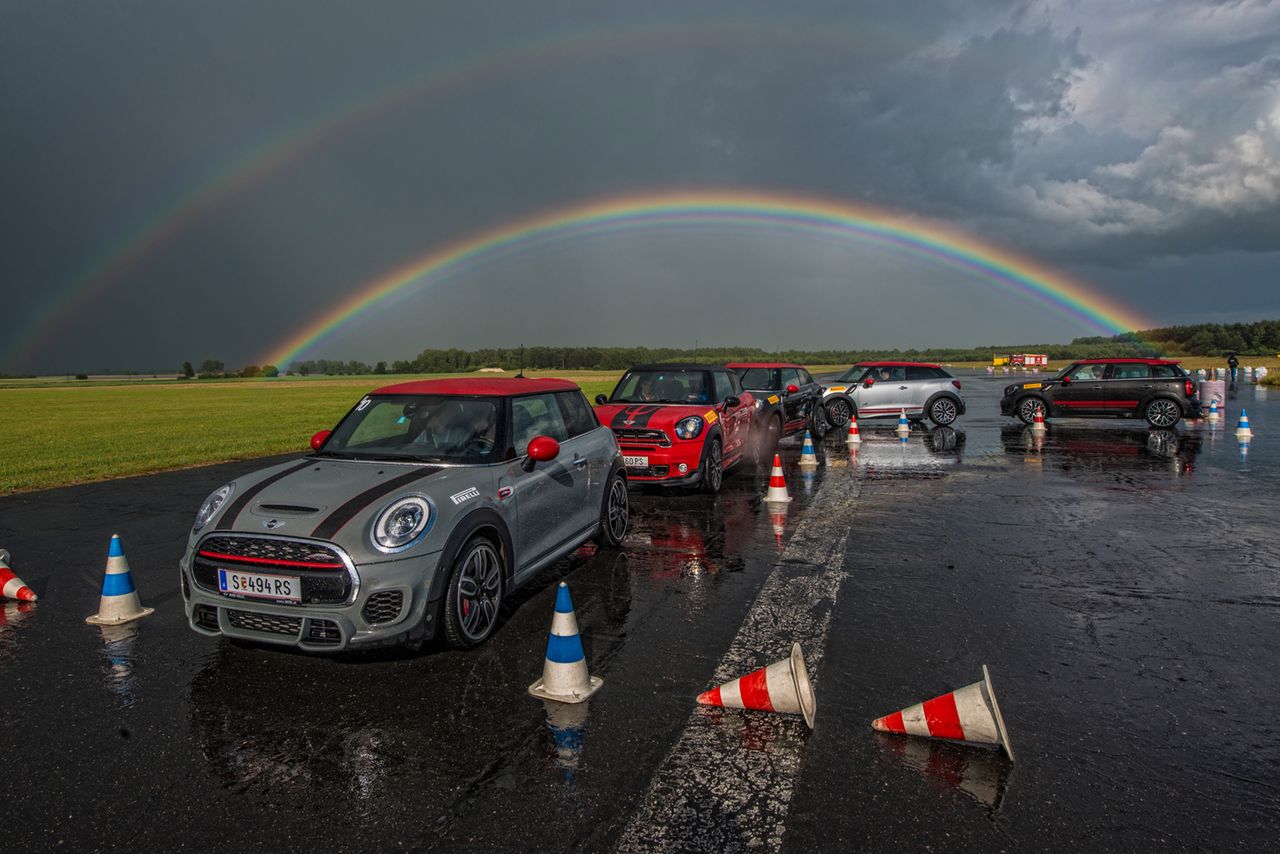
207	617
383	607
321	585
270	623
324	632
633	436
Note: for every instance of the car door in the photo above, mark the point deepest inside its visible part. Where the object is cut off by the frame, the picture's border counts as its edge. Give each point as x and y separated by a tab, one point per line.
1125	384
887	393
549	497
594	443
810	392
922	382
736	420
1083	392
794	406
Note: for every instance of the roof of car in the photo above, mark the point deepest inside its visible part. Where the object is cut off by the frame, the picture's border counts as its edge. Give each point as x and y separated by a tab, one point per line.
896	365
487	387
677	366
763	365
1127	361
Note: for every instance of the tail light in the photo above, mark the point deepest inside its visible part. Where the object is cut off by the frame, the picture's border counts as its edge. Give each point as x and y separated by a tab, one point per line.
1190	388
956	383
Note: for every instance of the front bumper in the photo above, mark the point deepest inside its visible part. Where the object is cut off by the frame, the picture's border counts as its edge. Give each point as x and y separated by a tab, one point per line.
391	605
664	463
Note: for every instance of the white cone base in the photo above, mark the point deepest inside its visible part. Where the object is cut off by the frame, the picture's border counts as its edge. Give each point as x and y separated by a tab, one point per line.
539	690
776	499
99	620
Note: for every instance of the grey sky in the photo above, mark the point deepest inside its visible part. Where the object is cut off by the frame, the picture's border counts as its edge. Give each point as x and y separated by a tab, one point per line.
1134	145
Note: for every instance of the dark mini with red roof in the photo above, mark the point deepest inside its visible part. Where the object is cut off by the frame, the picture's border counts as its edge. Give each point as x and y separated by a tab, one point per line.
1157	390
788	400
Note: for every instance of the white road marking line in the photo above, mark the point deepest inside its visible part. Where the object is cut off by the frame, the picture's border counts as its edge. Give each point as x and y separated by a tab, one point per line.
727	783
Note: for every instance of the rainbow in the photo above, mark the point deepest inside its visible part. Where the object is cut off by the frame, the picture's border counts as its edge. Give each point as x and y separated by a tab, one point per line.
779	212
252	166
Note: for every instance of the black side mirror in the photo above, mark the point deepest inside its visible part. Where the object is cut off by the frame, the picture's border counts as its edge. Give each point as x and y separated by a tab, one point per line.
731	401
601	400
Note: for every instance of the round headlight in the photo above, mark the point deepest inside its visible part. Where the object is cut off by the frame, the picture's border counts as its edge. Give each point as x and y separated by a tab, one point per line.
759	403
690	427
212	505
402	524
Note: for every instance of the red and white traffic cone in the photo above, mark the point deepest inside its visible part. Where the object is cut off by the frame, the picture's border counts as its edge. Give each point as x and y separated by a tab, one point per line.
777	492
966	714
1037	423
778	519
854	437
783	686
11	586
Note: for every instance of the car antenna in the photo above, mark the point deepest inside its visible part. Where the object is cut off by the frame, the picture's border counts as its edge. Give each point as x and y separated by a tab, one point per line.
520	373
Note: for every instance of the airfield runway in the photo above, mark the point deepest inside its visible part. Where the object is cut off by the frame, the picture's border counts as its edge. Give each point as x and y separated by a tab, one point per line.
1122	585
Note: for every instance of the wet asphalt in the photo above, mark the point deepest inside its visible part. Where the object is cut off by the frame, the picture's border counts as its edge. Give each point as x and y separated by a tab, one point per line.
1123	586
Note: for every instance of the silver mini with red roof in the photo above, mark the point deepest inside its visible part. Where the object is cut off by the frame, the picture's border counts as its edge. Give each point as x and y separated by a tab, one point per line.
872	390
415	516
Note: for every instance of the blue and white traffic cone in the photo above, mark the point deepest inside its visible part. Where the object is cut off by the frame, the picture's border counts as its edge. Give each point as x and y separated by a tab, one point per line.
1243	433
564	673
807	457
1213	410
903	426
119	603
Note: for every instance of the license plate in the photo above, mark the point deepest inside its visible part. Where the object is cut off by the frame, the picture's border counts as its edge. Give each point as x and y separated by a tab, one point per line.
278	587
636	462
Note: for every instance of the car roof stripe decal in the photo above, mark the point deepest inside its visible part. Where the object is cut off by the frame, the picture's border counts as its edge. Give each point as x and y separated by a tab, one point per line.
344	514
229	518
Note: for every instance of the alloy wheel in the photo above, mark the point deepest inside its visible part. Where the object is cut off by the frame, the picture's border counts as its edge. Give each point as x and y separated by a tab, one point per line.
479	591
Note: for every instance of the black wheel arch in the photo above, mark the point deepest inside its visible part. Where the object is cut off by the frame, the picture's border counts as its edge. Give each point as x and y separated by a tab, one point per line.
955	398
853	407
482	520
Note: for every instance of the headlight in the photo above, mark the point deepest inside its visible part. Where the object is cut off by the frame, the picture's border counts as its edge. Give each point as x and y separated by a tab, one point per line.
759	403
211	506
690	427
402	524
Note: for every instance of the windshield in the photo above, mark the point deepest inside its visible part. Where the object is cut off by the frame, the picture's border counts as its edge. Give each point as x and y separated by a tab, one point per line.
761	379
852	376
677	386
423	428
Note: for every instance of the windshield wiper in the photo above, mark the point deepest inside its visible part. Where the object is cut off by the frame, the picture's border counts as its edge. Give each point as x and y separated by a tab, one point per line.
335	454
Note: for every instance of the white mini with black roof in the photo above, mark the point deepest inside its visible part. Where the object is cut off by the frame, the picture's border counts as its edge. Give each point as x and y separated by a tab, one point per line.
415	516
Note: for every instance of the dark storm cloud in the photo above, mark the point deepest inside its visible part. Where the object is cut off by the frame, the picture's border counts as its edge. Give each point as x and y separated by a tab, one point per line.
1109	137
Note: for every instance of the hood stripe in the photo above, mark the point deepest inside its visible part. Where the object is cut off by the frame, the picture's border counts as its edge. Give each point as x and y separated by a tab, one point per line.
344	514
237	506
641	414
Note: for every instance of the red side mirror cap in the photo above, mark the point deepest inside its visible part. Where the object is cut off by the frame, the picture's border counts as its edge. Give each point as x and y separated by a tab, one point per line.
318	440
543	449
793	388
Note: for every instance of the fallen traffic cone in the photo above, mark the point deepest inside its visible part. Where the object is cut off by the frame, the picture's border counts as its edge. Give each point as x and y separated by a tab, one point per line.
966	714
854	437
11	586
777	491
903	426
781	687
564	673
1213	410
119	603
1037	422
1242	429
807	456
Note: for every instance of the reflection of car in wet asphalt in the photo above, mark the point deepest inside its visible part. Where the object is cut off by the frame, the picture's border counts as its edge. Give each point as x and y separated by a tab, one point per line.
1118	581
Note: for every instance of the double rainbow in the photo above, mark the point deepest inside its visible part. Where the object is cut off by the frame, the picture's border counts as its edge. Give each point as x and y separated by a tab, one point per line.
775	212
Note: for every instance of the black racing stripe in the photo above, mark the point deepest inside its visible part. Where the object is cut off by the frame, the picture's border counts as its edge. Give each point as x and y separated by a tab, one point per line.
620	417
344	514
643	414
237	506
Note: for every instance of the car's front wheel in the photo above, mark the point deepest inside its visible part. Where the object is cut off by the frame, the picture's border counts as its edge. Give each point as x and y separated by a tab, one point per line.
615	514
838	412
713	467
819	420
1028	407
943	411
1162	412
474	594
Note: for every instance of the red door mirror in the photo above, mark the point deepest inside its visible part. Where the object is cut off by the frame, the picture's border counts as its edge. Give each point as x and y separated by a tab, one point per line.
868	383
1066	380
793	388
318	440
543	449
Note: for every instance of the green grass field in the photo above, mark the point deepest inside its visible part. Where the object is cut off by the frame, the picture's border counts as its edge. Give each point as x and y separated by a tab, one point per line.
59	435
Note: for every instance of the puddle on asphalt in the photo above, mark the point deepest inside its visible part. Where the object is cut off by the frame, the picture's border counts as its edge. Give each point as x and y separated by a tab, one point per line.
1069	448
566	728
976	772
118	661
12	617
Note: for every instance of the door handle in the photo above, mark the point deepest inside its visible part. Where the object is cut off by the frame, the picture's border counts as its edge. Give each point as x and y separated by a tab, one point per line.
1148	386
902	388
1097	388
579	461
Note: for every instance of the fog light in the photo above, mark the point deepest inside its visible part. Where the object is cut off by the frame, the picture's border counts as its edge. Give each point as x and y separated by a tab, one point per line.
682	468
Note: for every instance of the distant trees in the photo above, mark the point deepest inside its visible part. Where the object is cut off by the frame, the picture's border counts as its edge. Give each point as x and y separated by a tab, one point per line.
329	366
187	370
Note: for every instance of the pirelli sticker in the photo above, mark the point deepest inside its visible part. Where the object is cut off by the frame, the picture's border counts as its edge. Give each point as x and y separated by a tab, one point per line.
773	398
711	416
1033	385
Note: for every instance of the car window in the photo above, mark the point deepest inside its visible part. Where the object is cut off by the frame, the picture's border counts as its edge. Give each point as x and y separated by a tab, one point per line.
790	376
426	427
578	415
736	384
895	374
724	387
1130	372
662	386
1166	372
805	378
1086	373
915	373
536	415
761	378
